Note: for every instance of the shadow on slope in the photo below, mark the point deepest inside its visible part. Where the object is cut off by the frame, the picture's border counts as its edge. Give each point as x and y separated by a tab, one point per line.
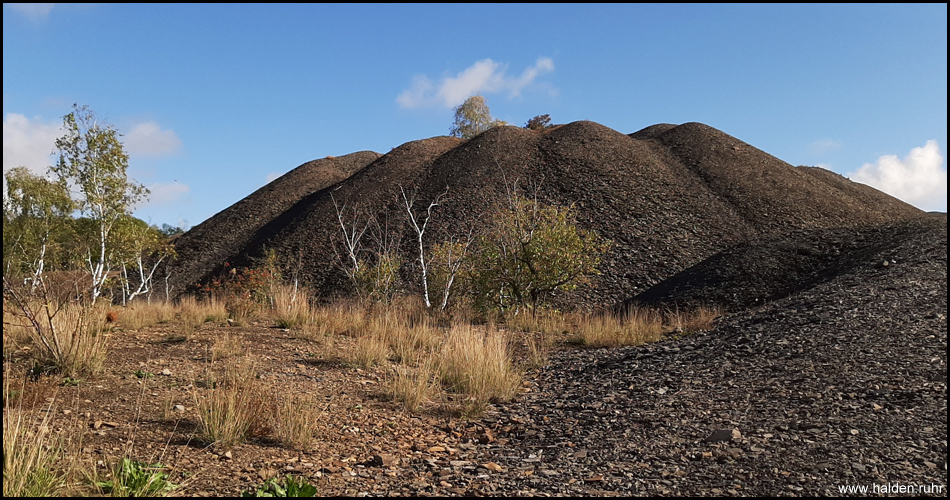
768	269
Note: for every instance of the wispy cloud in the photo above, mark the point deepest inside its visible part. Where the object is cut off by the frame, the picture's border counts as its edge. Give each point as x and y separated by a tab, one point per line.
823	146
484	76
166	193
148	139
918	179
29	142
34	11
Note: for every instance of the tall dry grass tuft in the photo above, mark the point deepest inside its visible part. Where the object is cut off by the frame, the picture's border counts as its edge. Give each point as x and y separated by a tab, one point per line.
371	350
16	332
414	386
232	405
227	346
37	461
538	347
194	313
296	420
701	318
475	363
67	335
141	314
340	318
639	326
31	454
291	307
544	321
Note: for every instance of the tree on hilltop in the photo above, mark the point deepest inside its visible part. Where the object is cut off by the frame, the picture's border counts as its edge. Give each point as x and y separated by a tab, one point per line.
539	122
473	117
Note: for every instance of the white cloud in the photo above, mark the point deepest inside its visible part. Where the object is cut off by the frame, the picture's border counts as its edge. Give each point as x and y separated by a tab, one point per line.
482	77
823	146
166	193
29	142
918	179
34	11
148	139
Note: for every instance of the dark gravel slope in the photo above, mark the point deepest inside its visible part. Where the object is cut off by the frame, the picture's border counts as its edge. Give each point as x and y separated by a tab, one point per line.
207	246
842	383
668	197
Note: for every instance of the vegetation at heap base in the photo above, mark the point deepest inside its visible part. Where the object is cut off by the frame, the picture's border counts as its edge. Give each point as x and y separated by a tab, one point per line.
76	220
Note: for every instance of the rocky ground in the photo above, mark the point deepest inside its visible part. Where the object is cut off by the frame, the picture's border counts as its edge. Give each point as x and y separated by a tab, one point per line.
842	383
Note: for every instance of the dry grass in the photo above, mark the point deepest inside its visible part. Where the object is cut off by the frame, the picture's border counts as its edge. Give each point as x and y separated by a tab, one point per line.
232	406
638	327
396	331
31	455
194	313
296	420
538	350
141	314
227	346
16	331
65	337
476	363
544	321
371	350
340	318
291	307
701	318
414	386
38	460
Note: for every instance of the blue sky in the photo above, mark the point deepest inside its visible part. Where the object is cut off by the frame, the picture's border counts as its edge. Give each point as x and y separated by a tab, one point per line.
216	100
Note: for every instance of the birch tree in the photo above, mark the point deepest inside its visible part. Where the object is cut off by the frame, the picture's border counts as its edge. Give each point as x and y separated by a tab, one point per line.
35	209
419	224
92	161
473	117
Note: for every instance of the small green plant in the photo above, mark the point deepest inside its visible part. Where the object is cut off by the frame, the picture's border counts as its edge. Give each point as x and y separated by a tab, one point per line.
290	488
136	479
143	374
71	382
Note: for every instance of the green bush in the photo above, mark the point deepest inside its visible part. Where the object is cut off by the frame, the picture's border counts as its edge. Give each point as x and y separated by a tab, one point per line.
531	251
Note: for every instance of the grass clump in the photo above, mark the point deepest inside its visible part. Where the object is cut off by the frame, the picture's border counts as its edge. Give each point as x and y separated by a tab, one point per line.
141	314
231	406
67	336
31	456
291	308
477	365
414	386
701	318
194	313
296	421
638	327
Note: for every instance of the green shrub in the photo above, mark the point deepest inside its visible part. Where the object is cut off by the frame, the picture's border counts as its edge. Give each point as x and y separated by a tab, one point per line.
531	251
